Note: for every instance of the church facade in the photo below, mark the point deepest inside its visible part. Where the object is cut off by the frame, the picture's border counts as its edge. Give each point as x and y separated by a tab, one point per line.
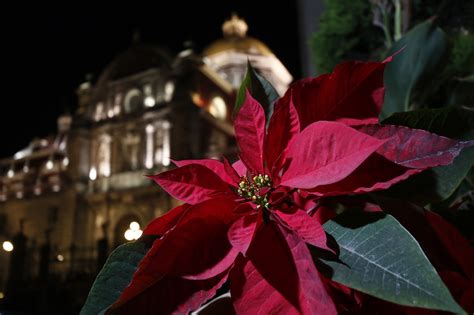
68	200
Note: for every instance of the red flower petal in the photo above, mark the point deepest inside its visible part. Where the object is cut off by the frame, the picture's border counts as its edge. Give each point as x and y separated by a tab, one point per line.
314	298
200	239
325	153
279	277
240	168
455	244
323	214
164	223
375	173
241	232
352	94
214	165
415	148
192	183
171	295
308	228
284	126
250	132
231	172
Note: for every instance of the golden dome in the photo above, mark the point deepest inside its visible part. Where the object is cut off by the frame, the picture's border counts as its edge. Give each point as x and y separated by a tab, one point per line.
236	39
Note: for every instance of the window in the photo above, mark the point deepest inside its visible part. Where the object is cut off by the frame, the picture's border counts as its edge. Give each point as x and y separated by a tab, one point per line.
218	108
132	100
149	99
169	90
117	104
163	149
150	129
104	155
99	111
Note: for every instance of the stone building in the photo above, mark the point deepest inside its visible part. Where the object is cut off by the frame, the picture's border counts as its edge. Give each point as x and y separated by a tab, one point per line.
68	200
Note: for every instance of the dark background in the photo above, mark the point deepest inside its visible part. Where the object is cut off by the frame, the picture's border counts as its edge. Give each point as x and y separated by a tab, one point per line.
47	49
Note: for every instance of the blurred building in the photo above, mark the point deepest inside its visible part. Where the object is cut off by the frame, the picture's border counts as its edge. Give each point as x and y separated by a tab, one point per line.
66	201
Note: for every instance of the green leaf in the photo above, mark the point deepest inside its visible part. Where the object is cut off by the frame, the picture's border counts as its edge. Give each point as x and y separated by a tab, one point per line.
114	277
259	88
450	121
436	184
439	183
379	256
423	51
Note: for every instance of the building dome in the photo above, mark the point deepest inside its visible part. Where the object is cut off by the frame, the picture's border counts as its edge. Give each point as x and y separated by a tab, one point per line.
236	39
138	58
228	57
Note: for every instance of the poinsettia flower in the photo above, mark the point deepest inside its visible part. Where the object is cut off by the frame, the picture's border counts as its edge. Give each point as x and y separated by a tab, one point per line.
246	223
259	233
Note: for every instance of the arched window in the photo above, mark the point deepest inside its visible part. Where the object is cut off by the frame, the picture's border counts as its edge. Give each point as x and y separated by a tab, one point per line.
133	100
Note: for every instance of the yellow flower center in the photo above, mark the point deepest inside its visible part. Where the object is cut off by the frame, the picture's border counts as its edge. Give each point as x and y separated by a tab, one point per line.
252	189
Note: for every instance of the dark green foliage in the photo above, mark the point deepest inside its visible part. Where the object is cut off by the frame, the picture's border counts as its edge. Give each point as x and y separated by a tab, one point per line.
345	32
451	14
259	88
423	53
452	122
461	62
114	277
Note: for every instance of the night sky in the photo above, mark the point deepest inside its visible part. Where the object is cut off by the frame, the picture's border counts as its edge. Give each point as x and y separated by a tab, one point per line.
47	51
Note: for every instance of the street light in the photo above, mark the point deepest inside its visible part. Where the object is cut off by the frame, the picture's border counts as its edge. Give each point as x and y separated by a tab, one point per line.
7	246
134	232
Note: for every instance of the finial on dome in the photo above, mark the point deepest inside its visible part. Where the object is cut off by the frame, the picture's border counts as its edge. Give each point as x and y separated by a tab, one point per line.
234	26
136	36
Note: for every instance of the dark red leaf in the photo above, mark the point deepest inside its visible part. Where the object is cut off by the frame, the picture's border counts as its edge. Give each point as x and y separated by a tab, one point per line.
308	228
455	244
192	183
245	208
279	277
415	148
325	153
231	172
352	94
250	133
164	223
375	173
284	126
214	165
241	232
196	248
323	214
240	168
171	295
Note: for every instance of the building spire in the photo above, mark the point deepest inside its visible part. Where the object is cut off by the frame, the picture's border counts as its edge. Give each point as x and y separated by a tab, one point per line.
136	37
234	27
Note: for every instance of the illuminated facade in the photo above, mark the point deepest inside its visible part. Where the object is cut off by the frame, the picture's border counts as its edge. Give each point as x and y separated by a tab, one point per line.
66	201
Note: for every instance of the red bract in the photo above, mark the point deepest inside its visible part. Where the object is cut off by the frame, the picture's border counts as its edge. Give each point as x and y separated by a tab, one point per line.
249	222
352	94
